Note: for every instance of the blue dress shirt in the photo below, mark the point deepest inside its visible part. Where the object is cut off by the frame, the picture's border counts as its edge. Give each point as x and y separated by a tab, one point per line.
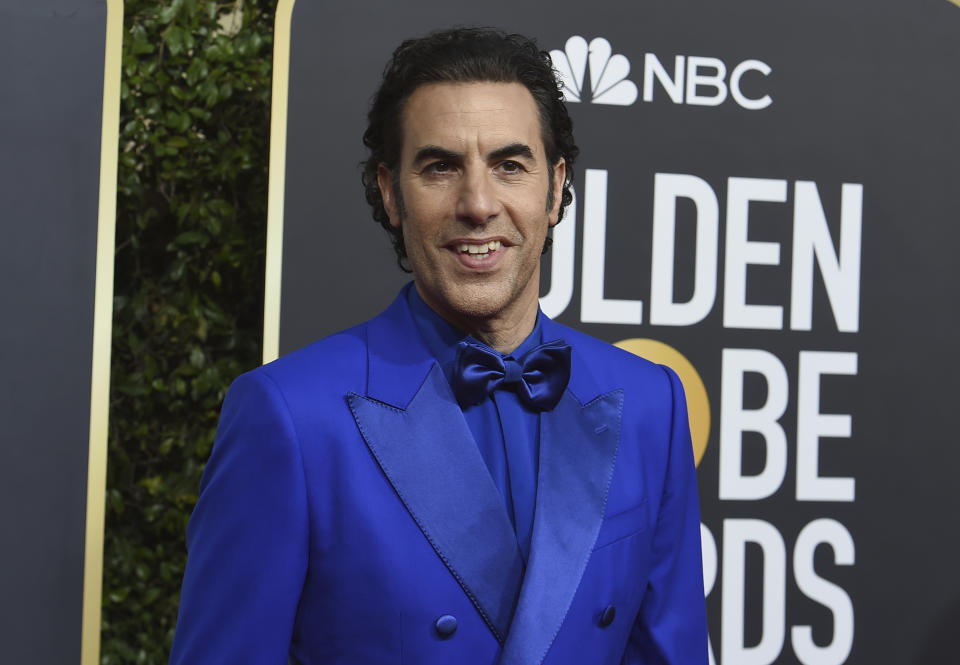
506	432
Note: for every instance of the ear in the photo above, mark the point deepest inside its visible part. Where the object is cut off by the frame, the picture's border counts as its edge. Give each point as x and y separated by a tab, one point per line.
385	183
559	176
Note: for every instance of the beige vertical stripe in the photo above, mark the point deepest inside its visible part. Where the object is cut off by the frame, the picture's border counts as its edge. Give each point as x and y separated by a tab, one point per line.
102	325
275	192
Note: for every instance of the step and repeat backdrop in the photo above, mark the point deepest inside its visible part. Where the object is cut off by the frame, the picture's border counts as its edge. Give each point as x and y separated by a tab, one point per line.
768	199
59	118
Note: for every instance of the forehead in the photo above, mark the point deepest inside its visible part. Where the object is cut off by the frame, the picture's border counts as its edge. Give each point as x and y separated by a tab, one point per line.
459	116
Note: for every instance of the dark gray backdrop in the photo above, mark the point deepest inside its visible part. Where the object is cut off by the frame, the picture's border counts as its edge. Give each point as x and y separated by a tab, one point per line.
51	93
863	92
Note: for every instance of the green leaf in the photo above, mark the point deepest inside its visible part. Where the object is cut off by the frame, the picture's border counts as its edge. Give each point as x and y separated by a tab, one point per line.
197	70
190	237
174	38
168	13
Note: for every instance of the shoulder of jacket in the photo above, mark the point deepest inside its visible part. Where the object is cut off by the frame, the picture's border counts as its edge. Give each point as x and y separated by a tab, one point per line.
328	360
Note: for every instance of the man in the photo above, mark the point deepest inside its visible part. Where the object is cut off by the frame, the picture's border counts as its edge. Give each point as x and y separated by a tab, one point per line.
459	480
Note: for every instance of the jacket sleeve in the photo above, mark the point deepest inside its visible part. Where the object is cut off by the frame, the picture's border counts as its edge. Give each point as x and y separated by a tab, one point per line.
671	628
247	538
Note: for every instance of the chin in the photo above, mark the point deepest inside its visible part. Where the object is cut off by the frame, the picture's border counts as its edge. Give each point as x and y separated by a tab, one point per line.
476	304
476	301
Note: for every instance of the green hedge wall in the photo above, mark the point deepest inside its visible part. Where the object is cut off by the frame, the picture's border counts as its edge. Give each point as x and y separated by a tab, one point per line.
191	219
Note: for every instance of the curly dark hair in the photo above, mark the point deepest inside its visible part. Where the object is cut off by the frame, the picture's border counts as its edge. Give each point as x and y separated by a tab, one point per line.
463	55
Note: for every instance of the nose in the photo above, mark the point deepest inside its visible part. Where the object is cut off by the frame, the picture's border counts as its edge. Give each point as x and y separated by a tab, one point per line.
478	202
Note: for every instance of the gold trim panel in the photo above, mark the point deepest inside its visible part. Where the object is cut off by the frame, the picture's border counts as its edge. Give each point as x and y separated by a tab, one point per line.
102	327
275	190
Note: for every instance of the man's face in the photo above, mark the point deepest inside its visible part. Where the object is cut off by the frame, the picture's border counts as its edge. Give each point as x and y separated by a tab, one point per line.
473	177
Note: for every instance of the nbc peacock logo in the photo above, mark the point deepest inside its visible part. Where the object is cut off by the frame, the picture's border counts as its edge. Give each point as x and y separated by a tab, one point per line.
608	72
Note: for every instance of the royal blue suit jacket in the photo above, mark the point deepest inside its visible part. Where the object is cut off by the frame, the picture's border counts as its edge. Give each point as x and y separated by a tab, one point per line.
346	507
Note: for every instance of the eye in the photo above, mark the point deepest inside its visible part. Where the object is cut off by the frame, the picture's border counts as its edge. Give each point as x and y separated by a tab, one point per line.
511	166
439	167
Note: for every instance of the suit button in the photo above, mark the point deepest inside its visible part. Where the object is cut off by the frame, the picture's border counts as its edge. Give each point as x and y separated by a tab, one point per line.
446	626
607	616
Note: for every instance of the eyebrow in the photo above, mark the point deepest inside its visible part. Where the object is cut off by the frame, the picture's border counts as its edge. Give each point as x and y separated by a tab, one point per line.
436	152
512	150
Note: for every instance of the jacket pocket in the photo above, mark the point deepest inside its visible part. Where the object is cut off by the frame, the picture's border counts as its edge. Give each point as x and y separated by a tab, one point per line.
622	525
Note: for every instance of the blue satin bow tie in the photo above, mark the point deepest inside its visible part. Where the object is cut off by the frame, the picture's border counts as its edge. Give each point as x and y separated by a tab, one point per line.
539	377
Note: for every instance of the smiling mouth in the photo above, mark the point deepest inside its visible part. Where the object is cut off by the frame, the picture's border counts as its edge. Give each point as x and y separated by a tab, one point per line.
478	251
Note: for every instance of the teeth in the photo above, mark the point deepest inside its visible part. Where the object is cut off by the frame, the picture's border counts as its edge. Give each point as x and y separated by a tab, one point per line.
483	248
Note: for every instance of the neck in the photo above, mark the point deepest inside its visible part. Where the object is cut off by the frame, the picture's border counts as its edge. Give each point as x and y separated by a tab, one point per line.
503	330
504	336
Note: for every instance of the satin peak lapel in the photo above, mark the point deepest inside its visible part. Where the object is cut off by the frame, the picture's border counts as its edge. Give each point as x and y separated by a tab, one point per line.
427	453
578	450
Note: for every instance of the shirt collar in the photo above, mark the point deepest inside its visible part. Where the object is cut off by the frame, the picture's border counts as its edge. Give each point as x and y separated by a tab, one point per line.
441	337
